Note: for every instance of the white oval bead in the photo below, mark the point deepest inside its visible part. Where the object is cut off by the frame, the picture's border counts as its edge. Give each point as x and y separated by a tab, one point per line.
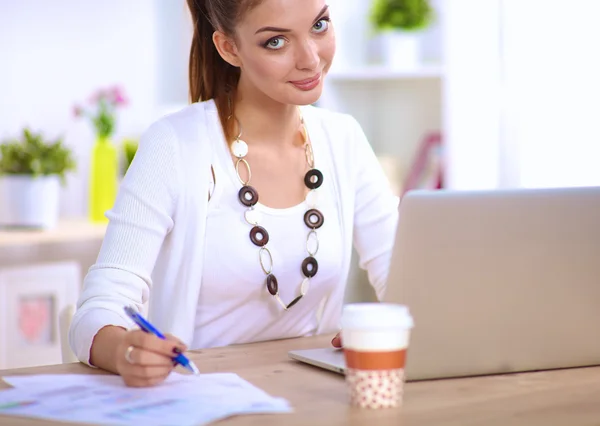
239	148
312	198
280	302
304	286
252	216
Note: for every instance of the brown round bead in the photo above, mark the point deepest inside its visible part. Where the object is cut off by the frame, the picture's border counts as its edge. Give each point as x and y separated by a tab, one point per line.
255	231
308	179
314	213
310	261
243	196
272	284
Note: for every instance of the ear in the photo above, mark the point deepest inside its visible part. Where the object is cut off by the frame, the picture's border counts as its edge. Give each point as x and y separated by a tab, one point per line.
226	48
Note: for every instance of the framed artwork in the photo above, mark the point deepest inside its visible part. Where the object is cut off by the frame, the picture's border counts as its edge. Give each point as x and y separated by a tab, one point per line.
427	169
34	316
31	299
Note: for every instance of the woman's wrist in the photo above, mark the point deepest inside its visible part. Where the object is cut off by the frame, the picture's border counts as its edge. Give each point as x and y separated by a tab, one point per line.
103	353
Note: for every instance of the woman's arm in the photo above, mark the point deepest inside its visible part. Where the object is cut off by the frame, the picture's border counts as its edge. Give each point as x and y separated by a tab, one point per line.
139	223
375	213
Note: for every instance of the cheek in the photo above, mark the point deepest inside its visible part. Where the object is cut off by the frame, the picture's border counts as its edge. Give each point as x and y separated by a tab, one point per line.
328	49
267	67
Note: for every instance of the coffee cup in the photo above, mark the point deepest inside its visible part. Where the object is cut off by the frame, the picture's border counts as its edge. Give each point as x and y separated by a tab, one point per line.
375	339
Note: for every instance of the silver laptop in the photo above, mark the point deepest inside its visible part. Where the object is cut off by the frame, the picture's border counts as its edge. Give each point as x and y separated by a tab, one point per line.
497	282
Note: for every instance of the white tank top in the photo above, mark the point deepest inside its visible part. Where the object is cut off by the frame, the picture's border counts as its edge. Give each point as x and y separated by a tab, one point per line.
234	304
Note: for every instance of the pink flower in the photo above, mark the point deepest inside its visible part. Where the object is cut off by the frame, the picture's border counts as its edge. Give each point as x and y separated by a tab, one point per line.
77	111
100	94
118	96
103	109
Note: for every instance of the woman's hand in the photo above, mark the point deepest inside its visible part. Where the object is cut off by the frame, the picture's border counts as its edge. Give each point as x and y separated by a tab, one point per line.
337	341
143	359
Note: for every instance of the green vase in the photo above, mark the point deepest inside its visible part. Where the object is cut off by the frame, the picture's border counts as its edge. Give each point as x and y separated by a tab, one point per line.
103	179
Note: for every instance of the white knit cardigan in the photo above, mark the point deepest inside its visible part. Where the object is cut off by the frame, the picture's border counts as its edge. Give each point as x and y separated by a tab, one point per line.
153	248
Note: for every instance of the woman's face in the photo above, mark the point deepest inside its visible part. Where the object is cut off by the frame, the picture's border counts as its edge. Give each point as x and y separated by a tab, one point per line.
285	48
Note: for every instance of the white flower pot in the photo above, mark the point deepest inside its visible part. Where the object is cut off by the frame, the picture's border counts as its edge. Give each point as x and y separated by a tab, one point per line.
29	202
400	50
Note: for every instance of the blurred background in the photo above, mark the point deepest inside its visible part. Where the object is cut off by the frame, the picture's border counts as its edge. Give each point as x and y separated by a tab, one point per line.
476	94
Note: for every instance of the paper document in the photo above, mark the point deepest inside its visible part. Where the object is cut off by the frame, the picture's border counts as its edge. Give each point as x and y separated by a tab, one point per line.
102	399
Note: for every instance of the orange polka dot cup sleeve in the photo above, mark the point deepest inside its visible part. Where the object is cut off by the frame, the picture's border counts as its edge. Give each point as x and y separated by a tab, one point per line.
376	337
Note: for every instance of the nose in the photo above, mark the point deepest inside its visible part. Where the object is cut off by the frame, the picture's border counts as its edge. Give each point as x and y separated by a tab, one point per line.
307	56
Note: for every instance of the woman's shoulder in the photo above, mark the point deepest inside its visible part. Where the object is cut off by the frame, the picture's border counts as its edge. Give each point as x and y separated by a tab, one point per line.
182	128
187	120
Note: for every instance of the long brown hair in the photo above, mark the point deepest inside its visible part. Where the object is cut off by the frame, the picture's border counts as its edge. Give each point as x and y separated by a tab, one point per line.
211	77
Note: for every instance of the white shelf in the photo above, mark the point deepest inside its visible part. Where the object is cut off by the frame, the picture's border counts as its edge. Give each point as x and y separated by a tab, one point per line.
380	73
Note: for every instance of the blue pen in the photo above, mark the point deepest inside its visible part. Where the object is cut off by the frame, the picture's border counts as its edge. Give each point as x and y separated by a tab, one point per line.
149	328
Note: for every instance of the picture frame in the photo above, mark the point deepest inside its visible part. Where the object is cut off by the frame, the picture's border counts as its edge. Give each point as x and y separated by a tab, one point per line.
427	169
31	300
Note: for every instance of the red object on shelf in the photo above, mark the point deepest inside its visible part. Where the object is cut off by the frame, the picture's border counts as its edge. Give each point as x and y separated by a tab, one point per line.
427	170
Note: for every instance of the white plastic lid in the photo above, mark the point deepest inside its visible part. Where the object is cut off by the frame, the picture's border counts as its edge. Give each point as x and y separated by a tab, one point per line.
363	316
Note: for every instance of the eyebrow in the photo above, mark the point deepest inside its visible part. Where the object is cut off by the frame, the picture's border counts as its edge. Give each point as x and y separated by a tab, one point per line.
286	30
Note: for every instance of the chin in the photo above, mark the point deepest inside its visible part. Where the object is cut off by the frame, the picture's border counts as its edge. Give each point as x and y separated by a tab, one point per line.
298	97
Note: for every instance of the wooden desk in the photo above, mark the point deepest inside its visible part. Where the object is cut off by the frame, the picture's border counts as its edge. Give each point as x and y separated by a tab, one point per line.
562	397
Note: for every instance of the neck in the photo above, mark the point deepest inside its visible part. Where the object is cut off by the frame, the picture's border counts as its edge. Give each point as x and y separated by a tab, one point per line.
263	120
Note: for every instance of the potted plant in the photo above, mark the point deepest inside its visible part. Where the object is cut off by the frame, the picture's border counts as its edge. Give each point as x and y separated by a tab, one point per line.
31	172
104	168
399	23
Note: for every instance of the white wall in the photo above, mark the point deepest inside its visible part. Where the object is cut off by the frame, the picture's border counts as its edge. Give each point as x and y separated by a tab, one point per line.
551	75
471	93
56	53
521	93
173	37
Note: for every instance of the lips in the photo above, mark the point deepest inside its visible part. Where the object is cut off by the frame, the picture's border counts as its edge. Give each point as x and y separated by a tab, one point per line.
307	84
307	81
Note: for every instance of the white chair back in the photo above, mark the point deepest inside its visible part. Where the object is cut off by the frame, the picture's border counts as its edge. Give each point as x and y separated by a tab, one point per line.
64	321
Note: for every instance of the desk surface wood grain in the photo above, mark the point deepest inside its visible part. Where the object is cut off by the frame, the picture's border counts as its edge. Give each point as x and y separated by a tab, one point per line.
550	398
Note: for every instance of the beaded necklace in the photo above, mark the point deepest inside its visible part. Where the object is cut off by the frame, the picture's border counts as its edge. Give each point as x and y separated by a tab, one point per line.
313	218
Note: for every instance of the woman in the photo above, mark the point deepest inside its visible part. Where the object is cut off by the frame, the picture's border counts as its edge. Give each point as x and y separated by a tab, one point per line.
237	217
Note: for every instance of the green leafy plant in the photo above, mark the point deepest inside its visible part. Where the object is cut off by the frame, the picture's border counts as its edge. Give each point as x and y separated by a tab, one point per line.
103	110
407	15
130	147
32	155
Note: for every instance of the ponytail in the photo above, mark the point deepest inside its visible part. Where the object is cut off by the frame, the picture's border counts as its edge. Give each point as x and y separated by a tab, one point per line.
210	77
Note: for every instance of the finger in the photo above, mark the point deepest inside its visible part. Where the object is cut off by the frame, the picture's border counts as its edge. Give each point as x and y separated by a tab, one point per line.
147	372
138	382
337	341
150	342
175	339
178	341
139	356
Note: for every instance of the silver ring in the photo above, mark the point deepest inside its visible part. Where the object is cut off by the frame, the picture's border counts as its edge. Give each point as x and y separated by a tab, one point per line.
128	354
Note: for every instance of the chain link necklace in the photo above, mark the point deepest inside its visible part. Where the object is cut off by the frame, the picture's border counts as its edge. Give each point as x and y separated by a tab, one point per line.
313	218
